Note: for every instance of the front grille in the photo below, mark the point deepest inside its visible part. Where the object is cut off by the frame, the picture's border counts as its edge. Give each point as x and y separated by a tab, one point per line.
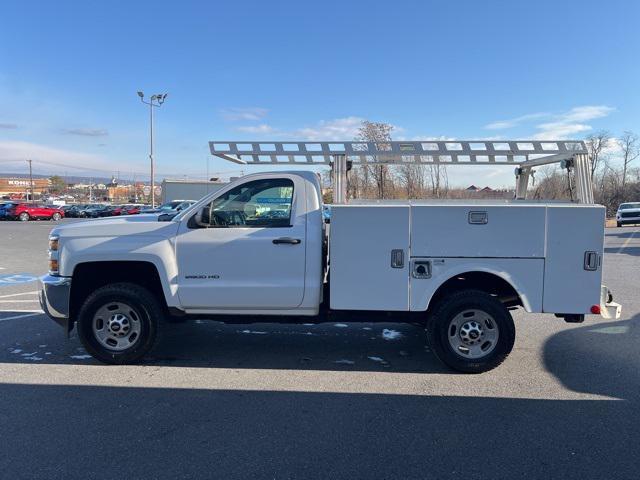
630	215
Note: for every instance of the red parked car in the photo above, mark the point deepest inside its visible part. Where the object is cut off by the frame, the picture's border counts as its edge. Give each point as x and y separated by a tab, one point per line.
130	209
27	211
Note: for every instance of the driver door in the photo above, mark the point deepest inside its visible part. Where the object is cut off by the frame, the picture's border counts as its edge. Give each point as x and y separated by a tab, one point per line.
246	248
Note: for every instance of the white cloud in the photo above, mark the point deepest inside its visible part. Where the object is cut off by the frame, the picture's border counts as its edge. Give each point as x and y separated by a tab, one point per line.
588	112
17	152
243	114
86	132
560	130
336	129
513	122
262	129
558	126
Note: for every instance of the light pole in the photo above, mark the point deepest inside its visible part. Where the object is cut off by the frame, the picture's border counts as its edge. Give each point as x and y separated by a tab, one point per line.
155	101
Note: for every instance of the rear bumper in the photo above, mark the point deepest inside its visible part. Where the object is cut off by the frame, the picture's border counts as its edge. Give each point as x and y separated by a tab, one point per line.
55	294
608	308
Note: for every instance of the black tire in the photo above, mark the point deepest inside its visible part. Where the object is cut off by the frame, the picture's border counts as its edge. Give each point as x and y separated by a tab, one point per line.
619	224
145	308
440	327
24	217
56	217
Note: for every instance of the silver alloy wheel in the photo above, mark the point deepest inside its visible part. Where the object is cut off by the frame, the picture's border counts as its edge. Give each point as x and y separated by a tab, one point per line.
24	217
56	217
473	334
117	326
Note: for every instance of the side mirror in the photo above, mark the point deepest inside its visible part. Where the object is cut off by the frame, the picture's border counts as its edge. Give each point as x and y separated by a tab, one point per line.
203	217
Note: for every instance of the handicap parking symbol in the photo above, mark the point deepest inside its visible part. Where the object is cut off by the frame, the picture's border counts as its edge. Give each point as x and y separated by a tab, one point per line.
16	278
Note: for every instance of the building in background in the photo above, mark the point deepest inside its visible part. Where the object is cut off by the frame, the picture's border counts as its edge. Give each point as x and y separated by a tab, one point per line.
17	188
188	189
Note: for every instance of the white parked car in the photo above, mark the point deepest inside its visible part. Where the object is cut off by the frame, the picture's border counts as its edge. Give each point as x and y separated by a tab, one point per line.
628	214
257	248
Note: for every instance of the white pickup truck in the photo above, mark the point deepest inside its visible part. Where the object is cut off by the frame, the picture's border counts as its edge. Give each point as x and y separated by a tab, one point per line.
259	250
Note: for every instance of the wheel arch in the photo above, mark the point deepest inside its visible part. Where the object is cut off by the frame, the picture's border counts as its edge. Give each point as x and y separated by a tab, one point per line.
89	276
508	291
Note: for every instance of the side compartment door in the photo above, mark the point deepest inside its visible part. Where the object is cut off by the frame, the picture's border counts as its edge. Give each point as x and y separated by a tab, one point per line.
574	233
246	248
369	257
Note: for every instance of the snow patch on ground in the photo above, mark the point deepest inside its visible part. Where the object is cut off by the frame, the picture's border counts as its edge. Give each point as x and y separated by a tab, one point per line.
388	334
377	359
81	357
367	328
345	362
254	332
340	325
34	358
16	350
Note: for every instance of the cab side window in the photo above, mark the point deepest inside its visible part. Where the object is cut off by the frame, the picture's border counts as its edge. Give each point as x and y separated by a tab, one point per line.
260	203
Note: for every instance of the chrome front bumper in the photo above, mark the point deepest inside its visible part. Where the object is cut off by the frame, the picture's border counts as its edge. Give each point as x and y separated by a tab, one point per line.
54	299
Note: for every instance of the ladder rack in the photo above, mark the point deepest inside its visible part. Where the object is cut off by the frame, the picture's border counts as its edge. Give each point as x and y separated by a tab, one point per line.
523	154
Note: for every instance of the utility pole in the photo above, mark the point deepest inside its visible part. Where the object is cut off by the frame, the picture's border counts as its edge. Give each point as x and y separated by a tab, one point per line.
159	100
30	181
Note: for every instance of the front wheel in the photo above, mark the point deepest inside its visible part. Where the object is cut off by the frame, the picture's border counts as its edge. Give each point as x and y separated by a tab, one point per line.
471	331
56	217
118	323
24	217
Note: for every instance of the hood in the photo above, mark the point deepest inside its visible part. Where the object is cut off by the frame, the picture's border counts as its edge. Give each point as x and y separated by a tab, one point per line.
116	226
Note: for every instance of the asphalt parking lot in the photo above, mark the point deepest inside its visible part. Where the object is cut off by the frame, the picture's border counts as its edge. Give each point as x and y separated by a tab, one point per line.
317	401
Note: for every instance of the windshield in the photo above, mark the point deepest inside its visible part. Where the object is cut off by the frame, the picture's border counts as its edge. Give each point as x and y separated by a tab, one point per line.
626	206
169	205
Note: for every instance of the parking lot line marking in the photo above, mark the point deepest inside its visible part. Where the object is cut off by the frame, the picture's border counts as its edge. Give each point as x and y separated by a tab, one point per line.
19	294
13	310
15	317
626	242
18	301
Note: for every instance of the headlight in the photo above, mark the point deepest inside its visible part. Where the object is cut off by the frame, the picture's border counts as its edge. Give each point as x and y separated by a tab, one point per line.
53	266
53	243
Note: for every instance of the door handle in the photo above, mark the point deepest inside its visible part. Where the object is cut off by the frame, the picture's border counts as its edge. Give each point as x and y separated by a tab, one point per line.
289	240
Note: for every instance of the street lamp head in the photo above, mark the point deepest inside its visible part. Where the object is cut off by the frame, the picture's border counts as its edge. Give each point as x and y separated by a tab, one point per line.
141	95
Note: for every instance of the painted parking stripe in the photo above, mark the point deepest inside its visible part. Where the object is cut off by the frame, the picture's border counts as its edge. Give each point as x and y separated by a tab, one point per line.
13	310
19	294
18	301
15	317
624	245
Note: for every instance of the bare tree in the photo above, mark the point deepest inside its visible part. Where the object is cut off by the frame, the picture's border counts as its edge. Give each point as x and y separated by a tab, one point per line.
630	151
412	178
597	144
438	180
380	133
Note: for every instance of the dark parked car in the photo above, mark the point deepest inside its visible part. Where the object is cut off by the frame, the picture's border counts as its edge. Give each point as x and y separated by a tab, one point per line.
31	211
110	211
89	210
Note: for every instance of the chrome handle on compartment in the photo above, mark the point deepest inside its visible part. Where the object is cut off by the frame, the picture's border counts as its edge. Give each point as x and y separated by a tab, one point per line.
397	258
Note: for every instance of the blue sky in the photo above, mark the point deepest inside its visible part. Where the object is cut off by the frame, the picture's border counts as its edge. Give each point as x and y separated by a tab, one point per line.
257	70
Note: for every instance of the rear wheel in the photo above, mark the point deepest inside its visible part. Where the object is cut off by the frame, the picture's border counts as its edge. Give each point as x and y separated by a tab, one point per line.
56	217
471	331
24	217
118	323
